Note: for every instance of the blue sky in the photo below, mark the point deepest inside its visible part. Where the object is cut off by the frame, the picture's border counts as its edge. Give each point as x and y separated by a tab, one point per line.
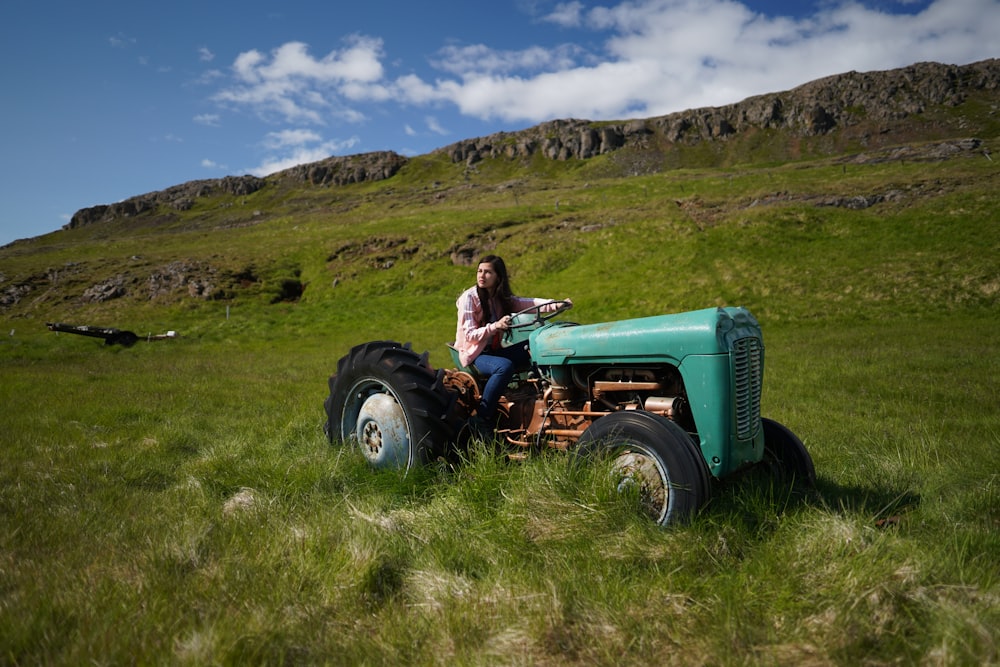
107	99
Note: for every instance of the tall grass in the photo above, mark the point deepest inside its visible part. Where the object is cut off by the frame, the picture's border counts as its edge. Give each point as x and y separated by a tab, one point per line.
176	502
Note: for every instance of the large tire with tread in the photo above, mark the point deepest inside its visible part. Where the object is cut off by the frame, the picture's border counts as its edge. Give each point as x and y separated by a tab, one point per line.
389	401
656	454
786	457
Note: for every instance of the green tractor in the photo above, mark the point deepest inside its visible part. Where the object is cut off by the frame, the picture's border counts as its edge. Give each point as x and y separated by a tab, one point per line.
674	400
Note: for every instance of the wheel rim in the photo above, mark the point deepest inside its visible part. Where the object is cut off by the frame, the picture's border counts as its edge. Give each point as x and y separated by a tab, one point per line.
637	470
374	418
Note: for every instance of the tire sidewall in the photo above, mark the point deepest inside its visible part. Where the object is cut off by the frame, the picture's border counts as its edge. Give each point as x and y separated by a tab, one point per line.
382	367
666	444
785	453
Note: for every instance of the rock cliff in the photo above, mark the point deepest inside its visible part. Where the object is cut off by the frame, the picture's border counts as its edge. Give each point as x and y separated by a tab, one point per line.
331	171
862	106
872	99
179	197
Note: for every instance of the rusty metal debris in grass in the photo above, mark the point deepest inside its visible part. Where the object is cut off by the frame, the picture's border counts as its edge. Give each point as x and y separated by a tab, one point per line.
110	335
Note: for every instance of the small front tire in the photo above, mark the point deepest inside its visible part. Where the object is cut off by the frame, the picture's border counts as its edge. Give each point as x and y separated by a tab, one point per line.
654	454
785	456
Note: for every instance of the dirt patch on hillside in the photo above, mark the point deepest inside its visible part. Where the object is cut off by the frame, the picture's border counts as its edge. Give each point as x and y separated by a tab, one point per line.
377	252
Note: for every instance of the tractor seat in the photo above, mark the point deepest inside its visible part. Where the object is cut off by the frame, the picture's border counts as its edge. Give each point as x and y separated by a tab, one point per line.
474	372
471	370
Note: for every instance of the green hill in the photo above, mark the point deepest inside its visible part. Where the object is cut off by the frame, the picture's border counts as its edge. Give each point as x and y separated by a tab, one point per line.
883	197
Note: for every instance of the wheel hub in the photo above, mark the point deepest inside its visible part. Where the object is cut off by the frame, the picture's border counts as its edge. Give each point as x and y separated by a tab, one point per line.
382	431
371	438
639	472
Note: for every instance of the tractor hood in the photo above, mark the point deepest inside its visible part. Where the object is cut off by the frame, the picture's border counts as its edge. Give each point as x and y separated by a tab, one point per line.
660	338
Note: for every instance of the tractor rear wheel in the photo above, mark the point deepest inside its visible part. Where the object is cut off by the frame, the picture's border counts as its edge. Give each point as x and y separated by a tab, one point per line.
785	456
654	455
391	403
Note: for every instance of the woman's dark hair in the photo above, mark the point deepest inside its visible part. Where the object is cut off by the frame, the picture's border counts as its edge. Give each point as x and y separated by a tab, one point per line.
503	291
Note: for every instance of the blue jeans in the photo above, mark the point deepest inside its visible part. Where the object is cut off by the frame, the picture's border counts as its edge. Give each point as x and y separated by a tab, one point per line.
498	366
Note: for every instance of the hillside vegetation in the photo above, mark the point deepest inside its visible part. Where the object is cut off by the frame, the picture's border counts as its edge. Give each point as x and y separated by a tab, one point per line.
176	501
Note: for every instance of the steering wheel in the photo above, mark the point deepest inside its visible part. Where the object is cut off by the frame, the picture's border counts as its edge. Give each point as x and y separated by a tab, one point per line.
539	316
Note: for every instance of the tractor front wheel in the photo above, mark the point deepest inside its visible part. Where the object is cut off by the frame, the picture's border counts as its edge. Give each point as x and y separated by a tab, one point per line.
654	456
786	457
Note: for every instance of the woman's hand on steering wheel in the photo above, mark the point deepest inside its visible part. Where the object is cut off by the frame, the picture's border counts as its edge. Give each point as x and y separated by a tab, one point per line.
561	305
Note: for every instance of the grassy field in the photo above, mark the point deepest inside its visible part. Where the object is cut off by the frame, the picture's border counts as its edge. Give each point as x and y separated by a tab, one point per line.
176	502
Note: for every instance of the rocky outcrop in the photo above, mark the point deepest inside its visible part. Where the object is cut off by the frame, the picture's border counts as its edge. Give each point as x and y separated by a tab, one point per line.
197	279
178	198
346	170
332	171
814	109
556	140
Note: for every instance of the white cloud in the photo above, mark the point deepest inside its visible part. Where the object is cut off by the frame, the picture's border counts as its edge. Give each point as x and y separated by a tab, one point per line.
205	55
289	148
296	87
209	119
566	14
478	59
209	76
415	90
245	65
121	41
434	126
285	138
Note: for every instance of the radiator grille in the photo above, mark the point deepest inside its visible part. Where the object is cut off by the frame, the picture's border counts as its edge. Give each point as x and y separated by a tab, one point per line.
747	370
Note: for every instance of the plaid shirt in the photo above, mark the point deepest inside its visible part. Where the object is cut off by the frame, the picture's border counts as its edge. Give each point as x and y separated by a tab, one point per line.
472	336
